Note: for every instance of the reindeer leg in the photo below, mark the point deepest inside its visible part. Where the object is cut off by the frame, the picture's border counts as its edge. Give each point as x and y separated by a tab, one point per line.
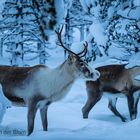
43	113
136	100
112	107
130	100
94	95
91	101
32	109
136	107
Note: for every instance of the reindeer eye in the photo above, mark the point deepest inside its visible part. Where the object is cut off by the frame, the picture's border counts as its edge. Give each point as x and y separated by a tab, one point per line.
81	64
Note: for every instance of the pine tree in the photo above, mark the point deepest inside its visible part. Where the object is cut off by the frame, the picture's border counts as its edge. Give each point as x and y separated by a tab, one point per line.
46	13
21	30
76	18
120	24
15	28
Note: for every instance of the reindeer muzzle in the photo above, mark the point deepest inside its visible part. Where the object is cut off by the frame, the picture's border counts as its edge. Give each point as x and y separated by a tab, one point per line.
94	75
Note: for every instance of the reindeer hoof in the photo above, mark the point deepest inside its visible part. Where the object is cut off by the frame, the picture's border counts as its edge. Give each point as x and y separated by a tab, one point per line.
85	116
124	119
133	117
45	129
29	133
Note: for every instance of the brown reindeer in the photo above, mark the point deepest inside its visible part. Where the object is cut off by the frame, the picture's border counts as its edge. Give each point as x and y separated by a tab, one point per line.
114	81
39	86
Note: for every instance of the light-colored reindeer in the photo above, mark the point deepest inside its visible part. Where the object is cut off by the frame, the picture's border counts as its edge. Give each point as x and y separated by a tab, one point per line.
39	86
115	81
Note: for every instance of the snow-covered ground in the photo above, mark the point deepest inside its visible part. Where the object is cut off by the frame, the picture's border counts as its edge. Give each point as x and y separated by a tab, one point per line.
66	123
65	117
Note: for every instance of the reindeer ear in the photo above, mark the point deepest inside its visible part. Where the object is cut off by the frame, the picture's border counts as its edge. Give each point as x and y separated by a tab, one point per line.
71	58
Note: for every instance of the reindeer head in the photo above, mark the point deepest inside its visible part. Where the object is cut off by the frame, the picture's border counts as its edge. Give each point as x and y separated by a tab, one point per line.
80	67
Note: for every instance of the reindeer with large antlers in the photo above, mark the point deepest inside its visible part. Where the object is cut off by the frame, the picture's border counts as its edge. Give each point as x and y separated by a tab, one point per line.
39	86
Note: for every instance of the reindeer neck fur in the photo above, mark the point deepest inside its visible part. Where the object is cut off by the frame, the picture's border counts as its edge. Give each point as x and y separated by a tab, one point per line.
63	74
58	81
66	70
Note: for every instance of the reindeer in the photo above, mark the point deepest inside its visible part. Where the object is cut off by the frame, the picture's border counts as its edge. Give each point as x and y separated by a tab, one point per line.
115	81
38	86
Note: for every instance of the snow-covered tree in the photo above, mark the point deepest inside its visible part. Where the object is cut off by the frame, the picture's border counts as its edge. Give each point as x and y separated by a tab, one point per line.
1	46
26	24
43	55
117	24
49	13
20	29
77	18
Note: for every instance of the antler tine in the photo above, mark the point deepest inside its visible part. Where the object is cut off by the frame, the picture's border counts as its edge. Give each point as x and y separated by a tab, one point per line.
61	42
59	36
84	50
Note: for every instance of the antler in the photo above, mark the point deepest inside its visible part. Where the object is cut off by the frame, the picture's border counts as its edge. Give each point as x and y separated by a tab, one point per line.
84	50
60	41
62	45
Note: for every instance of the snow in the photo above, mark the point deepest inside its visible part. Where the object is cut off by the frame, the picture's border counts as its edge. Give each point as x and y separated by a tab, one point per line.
136	2
68	4
111	11
1	6
59	4
98	32
84	5
134	60
4	104
105	60
66	122
137	77
77	47
131	12
134	13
